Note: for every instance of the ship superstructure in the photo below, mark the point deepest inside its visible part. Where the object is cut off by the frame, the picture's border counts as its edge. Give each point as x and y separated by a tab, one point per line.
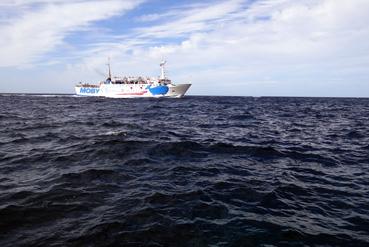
133	87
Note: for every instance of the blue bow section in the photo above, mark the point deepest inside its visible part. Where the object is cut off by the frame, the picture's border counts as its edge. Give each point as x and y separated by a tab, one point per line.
158	90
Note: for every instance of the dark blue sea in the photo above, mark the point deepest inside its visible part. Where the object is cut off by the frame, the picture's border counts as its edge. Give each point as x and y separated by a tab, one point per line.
196	171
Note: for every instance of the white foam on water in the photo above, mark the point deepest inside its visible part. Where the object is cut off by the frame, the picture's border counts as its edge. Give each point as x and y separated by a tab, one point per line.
114	133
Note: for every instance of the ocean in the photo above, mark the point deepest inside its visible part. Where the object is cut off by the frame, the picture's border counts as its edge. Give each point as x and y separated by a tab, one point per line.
196	171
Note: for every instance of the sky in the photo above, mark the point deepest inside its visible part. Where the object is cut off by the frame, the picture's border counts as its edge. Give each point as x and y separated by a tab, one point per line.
223	47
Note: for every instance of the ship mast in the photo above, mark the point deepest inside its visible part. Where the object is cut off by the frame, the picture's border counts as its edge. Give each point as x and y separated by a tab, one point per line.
162	75
109	68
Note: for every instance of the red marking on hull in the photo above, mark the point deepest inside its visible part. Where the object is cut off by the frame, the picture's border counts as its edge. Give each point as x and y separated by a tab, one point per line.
140	93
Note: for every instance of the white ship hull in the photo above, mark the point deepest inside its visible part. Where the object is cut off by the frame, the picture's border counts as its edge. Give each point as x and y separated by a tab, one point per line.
131	91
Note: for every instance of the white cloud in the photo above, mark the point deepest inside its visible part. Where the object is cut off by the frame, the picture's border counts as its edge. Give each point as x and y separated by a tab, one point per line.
194	19
41	28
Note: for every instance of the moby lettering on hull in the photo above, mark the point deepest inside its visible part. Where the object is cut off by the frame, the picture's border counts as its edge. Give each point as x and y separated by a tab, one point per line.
84	90
128	87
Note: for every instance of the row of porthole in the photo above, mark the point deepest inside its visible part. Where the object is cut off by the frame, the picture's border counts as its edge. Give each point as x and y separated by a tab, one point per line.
131	89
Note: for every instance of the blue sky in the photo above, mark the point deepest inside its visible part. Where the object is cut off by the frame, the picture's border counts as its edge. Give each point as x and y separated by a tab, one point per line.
233	47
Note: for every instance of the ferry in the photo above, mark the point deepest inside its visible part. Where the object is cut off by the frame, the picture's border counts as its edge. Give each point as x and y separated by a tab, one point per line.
134	87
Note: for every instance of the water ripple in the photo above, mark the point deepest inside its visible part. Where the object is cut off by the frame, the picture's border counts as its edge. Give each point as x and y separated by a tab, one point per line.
199	171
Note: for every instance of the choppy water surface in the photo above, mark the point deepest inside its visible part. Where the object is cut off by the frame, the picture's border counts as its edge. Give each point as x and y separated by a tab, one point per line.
197	171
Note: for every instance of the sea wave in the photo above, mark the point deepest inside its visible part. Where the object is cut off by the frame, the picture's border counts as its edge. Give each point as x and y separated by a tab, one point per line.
197	171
